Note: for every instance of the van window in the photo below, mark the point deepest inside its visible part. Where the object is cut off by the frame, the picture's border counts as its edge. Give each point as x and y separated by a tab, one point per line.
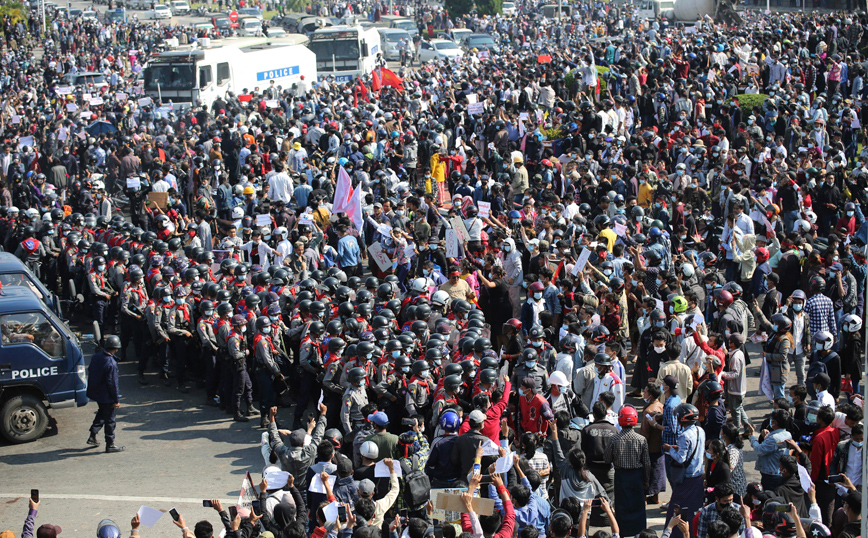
222	72
204	76
21	279
34	329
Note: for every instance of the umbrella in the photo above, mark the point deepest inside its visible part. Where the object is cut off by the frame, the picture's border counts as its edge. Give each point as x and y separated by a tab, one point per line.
101	127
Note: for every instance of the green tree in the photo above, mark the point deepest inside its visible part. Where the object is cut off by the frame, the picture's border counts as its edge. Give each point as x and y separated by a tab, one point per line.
458	8
296	6
14	10
489	7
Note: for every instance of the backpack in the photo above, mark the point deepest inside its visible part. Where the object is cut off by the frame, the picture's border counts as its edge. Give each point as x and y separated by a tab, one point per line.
417	485
816	368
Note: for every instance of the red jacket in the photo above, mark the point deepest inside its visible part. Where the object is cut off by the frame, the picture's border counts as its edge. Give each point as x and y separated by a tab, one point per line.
491	427
506	529
822	449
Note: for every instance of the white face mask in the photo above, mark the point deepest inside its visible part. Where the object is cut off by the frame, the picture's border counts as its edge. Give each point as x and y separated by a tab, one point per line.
659	349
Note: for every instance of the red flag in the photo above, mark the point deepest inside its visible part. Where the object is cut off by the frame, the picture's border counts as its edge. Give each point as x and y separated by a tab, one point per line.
375	83
363	91
391	79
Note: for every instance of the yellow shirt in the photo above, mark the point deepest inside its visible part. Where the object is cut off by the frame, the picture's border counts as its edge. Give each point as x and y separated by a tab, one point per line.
610	236
646	195
438	168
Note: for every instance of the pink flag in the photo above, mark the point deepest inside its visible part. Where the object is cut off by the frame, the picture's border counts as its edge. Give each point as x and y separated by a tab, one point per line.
343	192
354	209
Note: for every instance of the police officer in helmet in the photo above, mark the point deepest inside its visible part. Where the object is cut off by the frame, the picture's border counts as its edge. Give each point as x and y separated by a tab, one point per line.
102	388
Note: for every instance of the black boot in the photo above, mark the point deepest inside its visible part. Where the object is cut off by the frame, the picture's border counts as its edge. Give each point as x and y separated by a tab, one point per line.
263	421
142	380
240	418
91	441
251	412
112	448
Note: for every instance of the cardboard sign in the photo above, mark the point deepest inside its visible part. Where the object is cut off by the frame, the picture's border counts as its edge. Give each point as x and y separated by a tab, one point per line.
380	257
475	108
263	220
451	244
484	209
161	199
443	515
460	230
452	502
580	263
544	59
752	69
145	101
248	493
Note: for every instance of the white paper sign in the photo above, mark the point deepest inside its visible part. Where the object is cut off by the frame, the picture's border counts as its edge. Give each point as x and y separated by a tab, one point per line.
317	486
62	134
451	244
16	119
504	464
472	98
483	55
121	96
484	208
621	230
658	304
263	220
475	108
382	471
305	219
25	141
330	511
380	257
63	90
145	101
385	230
460	229
276	479
85	97
805	479
490	449
580	263
96	101
134	183
272	103
71	107
149	516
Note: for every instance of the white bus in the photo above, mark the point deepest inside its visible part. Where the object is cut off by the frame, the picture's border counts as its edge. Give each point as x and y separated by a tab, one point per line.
345	52
203	74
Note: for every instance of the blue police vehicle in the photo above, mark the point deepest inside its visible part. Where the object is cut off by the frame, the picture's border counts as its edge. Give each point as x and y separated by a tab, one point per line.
41	365
13	272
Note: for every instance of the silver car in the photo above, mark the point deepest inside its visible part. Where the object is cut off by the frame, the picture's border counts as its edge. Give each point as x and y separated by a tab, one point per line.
391	39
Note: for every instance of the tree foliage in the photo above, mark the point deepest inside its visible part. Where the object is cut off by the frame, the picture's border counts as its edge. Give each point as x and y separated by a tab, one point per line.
14	10
489	7
458	8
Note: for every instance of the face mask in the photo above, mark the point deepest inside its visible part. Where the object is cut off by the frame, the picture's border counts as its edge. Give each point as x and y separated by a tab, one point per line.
507	248
530	364
426	272
671	310
400	213
167	300
709	455
100	268
849	213
659	282
405	369
537	296
659	349
798	307
396	354
266	330
537	344
607	272
515	221
858	445
812	418
179	301
274	319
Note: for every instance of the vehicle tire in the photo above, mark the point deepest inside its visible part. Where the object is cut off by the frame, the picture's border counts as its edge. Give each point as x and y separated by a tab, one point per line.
23	418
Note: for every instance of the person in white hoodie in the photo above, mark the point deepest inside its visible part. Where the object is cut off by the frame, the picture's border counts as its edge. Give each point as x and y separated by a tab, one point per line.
284	247
514	274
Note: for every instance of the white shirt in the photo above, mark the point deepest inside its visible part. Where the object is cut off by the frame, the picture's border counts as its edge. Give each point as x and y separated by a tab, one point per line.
854	465
280	188
161	186
826	399
284	249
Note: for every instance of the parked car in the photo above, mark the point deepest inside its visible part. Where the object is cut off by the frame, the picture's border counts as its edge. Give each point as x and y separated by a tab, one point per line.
481	42
407	25
459	35
116	15
439	49
249	27
223	24
86	78
61	13
275	31
179	7
508	8
88	15
74	13
250	12
390	38
160	11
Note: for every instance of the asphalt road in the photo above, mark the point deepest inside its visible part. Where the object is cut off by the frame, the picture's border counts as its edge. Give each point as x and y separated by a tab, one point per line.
178	452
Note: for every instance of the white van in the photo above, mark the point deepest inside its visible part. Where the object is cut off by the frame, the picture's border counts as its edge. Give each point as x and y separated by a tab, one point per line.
249	27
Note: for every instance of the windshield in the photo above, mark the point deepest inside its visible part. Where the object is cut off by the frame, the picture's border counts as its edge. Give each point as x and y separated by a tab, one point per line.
481	41
405	25
396	37
170	77
445	46
508	5
341	49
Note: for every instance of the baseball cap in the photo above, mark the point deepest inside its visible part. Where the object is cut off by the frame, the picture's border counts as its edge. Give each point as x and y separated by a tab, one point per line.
379	418
48	531
671	381
366	487
296	438
477	417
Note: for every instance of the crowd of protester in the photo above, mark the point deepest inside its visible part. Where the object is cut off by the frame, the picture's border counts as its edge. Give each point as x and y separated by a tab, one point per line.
639	213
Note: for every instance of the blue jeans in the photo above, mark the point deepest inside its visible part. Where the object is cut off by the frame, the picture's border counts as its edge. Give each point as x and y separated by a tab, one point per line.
779	391
790	218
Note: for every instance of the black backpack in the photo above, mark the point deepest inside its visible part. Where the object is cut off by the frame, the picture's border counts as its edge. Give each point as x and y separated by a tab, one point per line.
417	486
